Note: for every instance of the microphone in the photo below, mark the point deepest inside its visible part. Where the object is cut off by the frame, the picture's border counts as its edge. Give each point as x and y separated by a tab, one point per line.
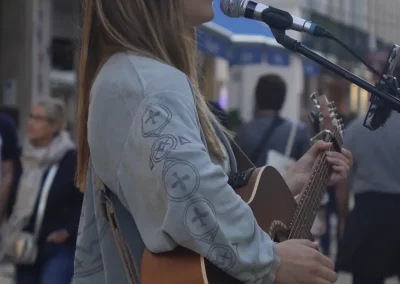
273	17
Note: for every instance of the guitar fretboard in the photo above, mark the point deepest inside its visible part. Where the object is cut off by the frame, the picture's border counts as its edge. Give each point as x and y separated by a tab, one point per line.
312	195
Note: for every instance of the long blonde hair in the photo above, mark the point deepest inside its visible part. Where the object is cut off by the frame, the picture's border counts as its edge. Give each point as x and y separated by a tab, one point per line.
151	28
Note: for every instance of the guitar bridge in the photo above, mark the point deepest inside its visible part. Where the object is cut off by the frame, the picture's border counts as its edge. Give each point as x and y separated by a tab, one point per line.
327	136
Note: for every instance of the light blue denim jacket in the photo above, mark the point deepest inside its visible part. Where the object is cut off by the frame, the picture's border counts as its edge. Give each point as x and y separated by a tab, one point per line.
148	147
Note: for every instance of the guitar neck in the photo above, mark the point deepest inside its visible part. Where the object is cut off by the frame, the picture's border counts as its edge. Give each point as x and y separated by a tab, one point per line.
312	195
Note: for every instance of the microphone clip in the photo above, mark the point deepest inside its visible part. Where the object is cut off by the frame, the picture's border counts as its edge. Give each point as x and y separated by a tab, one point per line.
379	111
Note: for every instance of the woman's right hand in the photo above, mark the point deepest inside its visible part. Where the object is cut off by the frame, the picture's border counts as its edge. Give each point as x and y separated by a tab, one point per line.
302	263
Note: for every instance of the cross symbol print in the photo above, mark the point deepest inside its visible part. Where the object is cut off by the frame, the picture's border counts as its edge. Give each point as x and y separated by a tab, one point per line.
78	263
161	147
152	116
180	181
221	258
199	217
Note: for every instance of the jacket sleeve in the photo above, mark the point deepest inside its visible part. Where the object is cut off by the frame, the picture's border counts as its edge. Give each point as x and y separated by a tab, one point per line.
200	210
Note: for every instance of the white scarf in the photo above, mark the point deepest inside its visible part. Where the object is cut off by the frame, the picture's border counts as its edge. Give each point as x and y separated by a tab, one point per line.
35	162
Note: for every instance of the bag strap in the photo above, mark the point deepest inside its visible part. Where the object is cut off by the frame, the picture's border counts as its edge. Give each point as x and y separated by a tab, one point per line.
289	144
44	194
108	211
264	140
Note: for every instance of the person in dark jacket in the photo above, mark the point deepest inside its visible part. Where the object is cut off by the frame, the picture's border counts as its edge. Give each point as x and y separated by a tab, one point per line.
270	96
48	204
369	245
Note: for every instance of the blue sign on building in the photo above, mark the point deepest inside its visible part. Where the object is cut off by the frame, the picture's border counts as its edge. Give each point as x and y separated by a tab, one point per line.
243	41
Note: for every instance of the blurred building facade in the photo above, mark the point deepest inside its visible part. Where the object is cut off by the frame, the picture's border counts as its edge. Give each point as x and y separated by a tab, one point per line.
370	27
367	21
364	25
37	49
38	39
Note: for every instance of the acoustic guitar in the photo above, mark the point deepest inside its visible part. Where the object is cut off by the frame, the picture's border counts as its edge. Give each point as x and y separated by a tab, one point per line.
273	205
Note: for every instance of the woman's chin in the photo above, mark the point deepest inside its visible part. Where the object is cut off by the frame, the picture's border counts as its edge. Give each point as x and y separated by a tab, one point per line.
202	18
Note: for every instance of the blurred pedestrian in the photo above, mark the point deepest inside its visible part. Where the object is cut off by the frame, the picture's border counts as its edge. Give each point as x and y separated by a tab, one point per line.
370	234
269	138
45	217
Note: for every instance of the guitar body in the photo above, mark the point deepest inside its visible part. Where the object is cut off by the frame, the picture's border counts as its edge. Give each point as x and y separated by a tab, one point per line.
273	207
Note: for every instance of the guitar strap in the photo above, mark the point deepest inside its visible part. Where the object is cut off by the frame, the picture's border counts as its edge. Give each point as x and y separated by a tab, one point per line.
242	161
107	208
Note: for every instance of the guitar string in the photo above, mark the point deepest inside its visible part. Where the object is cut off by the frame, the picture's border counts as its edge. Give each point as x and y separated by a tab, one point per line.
315	203
298	217
303	221
306	216
302	212
305	211
317	198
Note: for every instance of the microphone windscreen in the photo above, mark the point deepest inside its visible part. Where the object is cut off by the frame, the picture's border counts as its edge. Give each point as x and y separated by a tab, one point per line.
233	8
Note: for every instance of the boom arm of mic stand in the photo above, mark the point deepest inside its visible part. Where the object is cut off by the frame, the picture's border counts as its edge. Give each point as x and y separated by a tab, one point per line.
296	46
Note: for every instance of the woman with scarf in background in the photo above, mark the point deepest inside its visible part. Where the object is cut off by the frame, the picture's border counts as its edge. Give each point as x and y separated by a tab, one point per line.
40	235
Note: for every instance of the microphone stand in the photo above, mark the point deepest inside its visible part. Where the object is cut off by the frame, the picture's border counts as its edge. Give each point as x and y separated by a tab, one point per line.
291	44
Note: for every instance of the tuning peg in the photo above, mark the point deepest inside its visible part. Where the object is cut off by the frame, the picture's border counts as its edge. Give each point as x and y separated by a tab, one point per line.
314	98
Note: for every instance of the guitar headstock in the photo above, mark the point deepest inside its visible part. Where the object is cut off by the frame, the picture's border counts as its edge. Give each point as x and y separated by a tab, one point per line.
324	115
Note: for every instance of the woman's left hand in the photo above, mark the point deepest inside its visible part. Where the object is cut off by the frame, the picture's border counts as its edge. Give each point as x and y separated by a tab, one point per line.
58	237
300	173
